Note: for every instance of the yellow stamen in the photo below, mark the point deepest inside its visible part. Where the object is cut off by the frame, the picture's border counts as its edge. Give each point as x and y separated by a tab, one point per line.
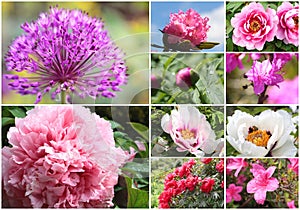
187	134
255	26
259	137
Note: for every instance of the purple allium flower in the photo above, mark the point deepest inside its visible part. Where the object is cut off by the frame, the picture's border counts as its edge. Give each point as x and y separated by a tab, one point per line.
65	51
264	73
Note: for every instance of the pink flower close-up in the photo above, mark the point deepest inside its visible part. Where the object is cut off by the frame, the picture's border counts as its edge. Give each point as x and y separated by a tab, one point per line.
294	164
184	78
264	73
234	60
232	193
236	164
187	25
278	95
253	26
61	157
288	27
190	131
262	182
291	204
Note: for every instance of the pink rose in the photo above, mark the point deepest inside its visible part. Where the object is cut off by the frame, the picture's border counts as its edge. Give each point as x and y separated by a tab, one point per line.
288	23
253	26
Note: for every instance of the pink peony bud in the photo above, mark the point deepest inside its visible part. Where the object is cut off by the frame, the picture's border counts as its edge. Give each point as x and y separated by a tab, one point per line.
155	81
184	78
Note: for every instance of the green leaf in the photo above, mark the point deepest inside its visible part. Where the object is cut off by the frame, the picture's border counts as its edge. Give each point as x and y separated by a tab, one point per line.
7	121
229	27
229	44
232	6
115	125
137	167
136	198
17	112
270	47
278	43
140	129
169	61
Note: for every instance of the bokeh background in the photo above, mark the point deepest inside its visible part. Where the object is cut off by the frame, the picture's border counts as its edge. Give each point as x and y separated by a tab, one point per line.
127	24
160	12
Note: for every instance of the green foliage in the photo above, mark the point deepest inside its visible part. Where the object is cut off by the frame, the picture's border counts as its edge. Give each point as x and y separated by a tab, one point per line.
233	8
208	72
214	115
287	190
136	198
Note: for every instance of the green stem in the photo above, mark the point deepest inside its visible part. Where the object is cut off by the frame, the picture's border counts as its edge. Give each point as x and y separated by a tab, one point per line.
63	97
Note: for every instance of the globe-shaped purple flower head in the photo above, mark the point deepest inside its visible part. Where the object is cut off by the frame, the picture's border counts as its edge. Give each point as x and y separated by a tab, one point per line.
65	51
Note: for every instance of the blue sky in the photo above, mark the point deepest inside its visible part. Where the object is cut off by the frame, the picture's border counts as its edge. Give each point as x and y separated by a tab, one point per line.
160	12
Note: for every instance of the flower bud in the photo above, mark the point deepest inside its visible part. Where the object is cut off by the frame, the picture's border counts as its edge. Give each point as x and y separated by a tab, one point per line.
186	78
155	81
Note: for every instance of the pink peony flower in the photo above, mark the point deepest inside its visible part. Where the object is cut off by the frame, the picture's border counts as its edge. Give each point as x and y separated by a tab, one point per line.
190	131
264	73
294	164
61	157
186	26
262	182
288	27
236	164
184	78
291	204
232	193
253	26
277	95
234	60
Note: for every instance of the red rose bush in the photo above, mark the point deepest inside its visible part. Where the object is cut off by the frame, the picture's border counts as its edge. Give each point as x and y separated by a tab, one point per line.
194	184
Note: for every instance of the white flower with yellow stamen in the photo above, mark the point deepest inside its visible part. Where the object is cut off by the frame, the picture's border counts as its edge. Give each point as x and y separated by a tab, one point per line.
190	131
267	134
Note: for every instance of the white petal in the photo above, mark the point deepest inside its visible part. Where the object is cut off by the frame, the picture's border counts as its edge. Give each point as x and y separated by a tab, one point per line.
287	150
166	123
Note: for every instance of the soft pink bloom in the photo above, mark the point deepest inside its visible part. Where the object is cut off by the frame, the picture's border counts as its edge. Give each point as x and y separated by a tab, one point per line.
234	60
236	164
294	165
190	131
232	193
184	79
253	26
291	204
140	145
61	156
278	95
264	73
262	182
288	27
187	26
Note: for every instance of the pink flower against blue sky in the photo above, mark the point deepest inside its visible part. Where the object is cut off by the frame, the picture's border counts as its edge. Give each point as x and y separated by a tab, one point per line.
233	193
262	182
236	164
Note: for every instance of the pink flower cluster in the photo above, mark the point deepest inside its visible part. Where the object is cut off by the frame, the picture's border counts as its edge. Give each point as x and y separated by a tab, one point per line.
61	157
254	25
187	26
183	179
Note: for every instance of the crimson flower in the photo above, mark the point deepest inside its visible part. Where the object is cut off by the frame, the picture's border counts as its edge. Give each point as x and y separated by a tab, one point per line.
207	184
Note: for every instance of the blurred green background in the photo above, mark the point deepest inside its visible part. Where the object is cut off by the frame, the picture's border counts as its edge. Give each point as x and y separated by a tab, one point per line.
127	24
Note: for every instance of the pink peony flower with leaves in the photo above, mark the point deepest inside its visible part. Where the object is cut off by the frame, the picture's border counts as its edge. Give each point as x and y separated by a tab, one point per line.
232	193
234	60
262	182
253	26
288	27
190	131
61	157
187	25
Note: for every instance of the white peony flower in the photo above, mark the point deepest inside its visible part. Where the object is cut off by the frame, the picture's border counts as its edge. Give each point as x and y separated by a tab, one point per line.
267	134
190	131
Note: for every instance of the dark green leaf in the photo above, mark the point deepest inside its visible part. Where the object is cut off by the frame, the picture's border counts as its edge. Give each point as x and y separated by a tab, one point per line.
140	129
7	121
115	125
136	198
232	6
17	112
229	44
